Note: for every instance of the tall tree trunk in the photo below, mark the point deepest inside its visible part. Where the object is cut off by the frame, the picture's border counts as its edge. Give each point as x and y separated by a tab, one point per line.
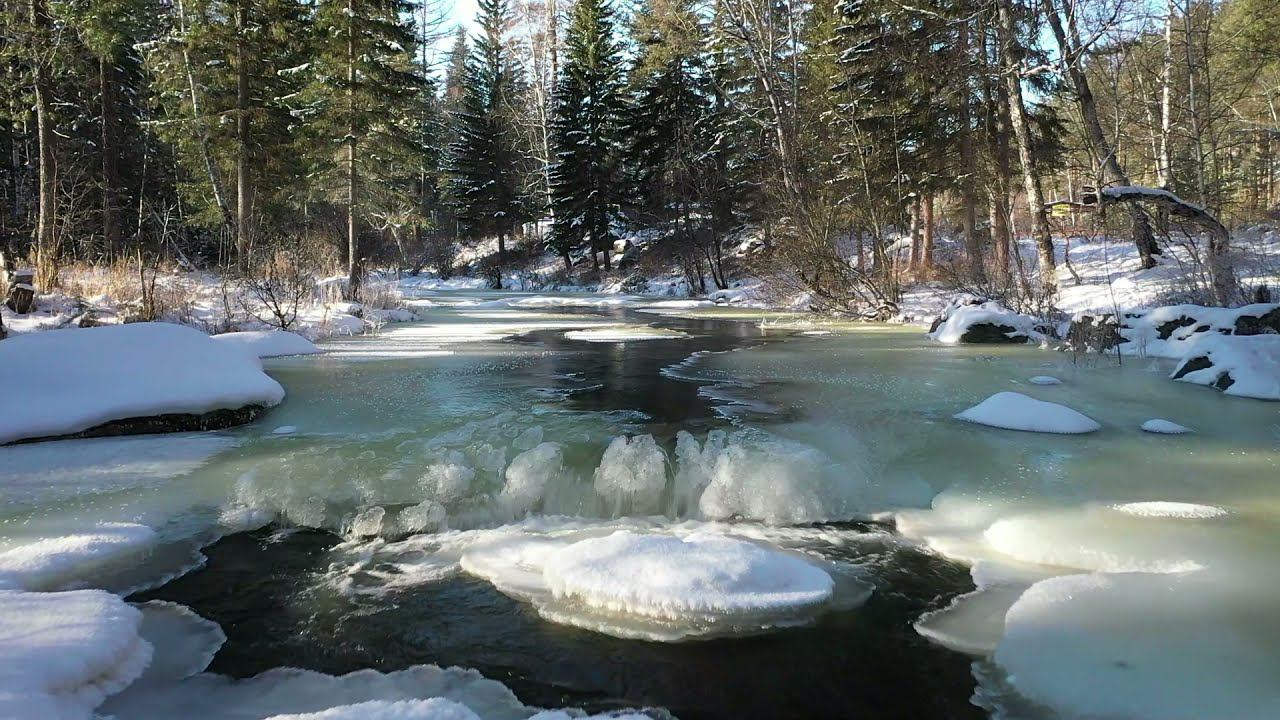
244	191
354	271
1073	54
46	239
1164	166
925	267
202	130
968	199
1012	55
110	150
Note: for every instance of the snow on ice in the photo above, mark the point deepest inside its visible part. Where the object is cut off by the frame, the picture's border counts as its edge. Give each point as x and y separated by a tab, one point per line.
269	343
67	381
1164	427
1015	411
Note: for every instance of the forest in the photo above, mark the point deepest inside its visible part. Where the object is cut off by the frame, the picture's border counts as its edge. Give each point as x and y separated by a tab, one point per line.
300	138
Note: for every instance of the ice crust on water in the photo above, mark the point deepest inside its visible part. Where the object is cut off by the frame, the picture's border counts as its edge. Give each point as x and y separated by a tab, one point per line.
1015	411
430	709
1164	427
1145	646
269	343
138	370
56	562
62	653
625	333
183	643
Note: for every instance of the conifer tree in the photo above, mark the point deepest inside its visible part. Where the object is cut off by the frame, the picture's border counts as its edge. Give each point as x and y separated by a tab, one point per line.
587	131
365	78
485	160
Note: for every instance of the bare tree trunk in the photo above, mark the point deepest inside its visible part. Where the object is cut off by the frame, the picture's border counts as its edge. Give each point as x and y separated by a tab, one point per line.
925	267
1073	54
968	199
110	158
1012	57
244	193
202	131
354	270
997	135
1164	167
46	240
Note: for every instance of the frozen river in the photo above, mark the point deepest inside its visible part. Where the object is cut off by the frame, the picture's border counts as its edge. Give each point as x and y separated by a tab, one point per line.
606	502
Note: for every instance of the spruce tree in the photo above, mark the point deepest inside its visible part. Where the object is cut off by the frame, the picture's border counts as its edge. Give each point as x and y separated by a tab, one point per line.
365	78
587	131
486	163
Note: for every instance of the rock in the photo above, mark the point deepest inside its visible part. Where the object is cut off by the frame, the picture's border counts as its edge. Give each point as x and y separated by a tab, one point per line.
1265	324
22	292
156	424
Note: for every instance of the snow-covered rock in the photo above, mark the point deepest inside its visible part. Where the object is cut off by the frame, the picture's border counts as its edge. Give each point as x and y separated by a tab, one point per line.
71	381
62	654
1164	427
1015	411
1169	331
1246	366
269	343
969	319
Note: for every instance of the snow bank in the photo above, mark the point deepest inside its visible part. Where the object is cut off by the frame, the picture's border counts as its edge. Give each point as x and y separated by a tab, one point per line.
1015	411
1144	647
1245	366
269	343
1164	427
969	319
68	381
62	654
1170	331
52	563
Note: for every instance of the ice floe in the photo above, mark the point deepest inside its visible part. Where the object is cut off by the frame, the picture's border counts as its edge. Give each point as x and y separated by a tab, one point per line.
57	562
625	333
1015	411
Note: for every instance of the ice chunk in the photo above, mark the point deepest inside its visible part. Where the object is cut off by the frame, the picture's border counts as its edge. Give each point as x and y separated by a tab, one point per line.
1015	411
1044	380
426	516
431	709
53	563
62	653
285	430
974	622
449	480
1164	427
632	474
1145	647
368	522
528	475
269	343
183	642
137	370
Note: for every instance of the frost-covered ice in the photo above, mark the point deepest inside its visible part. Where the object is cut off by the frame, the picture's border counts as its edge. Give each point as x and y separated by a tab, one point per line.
137	370
429	709
1015	411
55	562
183	643
1044	380
632	474
652	584
269	343
285	430
1164	427
1167	509
1247	366
625	333
62	654
1144	647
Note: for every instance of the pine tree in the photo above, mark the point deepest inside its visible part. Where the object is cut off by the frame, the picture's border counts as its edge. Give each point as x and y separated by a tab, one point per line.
486	164
364	79
587	131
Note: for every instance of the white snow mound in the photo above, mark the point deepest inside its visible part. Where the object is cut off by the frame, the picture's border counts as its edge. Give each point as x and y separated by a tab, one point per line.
62	654
269	343
72	380
1044	380
1164	427
667	577
1015	411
